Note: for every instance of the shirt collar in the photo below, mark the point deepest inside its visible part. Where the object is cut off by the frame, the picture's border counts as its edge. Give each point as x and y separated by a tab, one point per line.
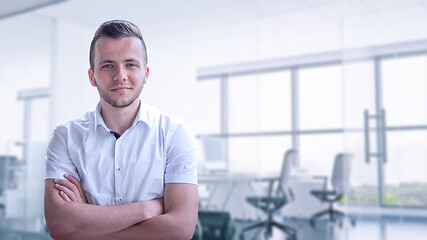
98	117
142	116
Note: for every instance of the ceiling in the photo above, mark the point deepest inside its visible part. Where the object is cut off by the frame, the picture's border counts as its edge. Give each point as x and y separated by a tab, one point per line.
12	8
290	18
311	25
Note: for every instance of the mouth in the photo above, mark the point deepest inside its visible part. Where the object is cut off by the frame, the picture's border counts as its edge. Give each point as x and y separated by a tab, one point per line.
120	89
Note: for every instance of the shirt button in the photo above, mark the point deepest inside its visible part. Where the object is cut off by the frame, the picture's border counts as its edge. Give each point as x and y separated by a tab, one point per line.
119	169
120	140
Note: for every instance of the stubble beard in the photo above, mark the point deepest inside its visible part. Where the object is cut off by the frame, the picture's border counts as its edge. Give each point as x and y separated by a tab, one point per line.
108	99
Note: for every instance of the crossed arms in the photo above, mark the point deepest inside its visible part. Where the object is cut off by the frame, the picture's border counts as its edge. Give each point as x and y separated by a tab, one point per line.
69	216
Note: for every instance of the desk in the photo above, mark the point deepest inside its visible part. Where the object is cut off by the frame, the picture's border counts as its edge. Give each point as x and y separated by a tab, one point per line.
228	192
304	205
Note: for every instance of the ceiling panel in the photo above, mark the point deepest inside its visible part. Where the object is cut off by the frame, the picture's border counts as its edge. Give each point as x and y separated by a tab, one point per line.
385	4
12	8
402	13
195	20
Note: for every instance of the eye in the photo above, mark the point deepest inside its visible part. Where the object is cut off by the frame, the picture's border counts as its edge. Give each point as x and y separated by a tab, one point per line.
132	65
107	66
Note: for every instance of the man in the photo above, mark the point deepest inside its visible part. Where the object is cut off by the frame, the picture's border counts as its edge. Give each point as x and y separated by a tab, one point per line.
123	170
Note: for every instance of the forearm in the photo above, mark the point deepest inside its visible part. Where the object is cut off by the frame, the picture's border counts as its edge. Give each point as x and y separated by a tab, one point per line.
79	221
165	226
75	220
178	221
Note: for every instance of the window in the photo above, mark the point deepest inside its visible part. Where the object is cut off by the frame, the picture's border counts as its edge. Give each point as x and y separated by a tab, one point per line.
320	98
260	103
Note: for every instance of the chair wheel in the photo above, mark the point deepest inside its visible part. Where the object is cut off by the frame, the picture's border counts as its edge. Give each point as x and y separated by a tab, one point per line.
292	237
267	234
241	237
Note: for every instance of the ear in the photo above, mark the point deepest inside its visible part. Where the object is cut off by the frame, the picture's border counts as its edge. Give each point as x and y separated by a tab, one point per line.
147	73
91	79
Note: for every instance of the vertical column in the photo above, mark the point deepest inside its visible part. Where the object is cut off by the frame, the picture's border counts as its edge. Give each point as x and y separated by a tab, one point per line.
379	129
53	73
71	93
295	112
224	115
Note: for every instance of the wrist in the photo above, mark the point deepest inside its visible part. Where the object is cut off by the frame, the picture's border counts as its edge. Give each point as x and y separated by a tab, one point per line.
151	208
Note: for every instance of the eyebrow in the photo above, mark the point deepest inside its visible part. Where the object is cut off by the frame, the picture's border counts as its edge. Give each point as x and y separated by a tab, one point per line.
132	60
127	60
105	61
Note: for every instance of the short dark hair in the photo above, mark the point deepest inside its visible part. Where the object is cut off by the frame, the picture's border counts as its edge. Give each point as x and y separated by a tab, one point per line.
116	29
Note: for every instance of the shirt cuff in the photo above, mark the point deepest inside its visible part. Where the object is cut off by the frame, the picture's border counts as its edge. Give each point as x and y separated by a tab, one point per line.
179	178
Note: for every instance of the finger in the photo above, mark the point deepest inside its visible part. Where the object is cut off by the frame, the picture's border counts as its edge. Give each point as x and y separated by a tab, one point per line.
69	185
76	182
64	196
66	183
66	191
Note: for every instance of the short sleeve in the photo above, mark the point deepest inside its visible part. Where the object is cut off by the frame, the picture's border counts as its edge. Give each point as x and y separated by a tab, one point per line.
181	164
58	161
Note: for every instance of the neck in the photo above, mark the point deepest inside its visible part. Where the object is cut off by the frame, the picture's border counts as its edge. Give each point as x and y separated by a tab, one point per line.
119	119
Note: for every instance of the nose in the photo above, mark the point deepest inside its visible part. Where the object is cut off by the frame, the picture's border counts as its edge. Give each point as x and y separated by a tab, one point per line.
120	74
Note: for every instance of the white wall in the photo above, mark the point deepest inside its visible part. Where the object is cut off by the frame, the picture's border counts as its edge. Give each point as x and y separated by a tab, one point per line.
71	93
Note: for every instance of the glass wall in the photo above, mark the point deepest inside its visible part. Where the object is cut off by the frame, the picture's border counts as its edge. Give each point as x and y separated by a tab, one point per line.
358	97
258	105
25	73
374	109
320	98
405	101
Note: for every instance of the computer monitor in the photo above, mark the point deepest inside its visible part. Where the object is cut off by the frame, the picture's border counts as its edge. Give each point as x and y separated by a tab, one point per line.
215	153
7	172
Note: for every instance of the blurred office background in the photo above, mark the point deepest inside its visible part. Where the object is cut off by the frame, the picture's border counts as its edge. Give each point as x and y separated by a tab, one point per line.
253	79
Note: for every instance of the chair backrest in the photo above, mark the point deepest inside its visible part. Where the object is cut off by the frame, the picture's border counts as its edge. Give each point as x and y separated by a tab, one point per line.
341	173
285	173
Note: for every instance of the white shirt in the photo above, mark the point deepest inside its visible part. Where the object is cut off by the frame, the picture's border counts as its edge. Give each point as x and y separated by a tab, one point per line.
155	150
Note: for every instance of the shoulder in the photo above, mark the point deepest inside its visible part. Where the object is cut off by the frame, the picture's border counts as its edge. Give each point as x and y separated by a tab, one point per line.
77	125
156	118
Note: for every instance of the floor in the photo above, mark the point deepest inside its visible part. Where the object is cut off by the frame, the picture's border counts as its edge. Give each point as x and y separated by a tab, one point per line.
323	230
363	229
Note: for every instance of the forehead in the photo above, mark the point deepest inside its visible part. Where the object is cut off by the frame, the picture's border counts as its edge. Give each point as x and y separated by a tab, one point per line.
116	49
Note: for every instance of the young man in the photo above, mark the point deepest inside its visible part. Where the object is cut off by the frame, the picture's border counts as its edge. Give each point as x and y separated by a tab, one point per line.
123	170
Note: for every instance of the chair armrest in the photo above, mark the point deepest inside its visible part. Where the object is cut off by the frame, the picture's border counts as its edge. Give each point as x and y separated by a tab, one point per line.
325	181
267	179
271	181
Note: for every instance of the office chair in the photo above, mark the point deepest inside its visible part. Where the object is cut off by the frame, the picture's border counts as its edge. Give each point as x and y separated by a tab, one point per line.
340	184
213	225
274	201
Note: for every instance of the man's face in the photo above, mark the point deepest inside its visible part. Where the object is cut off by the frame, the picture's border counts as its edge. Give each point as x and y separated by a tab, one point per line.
119	71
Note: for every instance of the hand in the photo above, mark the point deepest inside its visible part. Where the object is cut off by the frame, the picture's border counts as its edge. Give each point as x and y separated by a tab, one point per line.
151	208
155	207
70	189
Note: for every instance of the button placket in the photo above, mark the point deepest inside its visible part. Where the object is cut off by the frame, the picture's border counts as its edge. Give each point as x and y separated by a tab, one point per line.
117	174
